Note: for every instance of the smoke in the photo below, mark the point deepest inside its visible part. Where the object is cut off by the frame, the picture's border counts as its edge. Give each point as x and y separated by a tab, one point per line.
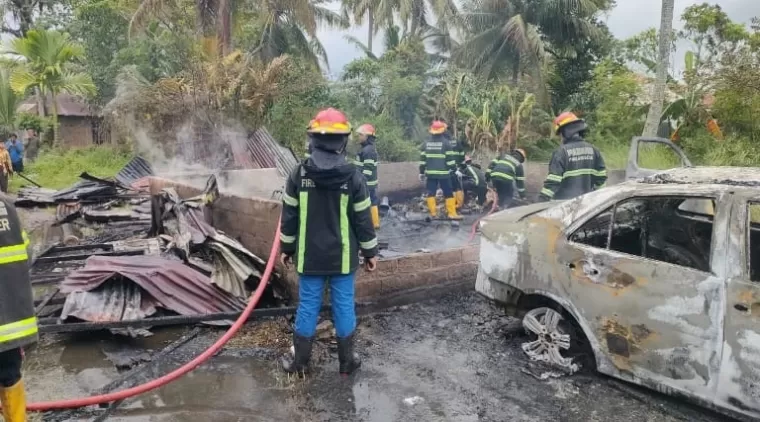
190	156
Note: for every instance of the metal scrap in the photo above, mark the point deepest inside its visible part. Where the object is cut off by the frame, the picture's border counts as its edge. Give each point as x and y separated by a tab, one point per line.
164	283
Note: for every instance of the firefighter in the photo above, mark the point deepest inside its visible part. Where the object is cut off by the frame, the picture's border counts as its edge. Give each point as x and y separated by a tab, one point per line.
18	325
366	159
456	178
505	173
437	165
576	167
326	222
473	181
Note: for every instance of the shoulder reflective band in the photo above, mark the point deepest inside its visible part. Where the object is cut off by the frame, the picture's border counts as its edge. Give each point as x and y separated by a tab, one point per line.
15	253
19	329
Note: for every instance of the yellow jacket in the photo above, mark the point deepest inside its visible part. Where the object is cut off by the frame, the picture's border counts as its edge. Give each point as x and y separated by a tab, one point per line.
5	161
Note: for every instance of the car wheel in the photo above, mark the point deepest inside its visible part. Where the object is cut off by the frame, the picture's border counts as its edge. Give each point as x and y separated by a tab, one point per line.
551	338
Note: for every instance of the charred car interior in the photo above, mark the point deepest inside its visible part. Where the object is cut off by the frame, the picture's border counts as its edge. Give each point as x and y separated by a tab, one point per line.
676	230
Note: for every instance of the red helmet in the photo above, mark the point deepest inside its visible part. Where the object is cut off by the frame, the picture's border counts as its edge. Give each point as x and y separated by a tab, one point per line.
438	127
565	119
366	129
330	121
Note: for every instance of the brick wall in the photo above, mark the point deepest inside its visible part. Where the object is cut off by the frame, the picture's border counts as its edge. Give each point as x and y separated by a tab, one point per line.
419	271
253	222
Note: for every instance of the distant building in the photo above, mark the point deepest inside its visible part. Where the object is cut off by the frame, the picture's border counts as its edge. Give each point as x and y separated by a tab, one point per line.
79	124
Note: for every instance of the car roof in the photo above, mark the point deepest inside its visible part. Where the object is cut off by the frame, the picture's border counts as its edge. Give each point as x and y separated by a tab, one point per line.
729	176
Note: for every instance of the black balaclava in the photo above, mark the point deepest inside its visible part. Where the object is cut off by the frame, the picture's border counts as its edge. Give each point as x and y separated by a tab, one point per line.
574	131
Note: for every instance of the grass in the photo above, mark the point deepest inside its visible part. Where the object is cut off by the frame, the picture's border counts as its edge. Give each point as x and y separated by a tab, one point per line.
651	156
60	168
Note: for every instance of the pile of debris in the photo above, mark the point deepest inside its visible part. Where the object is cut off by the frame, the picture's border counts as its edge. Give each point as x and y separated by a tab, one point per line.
129	261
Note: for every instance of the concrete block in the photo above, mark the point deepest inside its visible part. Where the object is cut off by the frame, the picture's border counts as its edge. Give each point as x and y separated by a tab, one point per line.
471	253
462	272
414	263
448	257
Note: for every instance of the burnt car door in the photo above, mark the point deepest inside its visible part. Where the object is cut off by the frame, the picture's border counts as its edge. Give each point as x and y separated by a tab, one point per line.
641	276
648	156
740	369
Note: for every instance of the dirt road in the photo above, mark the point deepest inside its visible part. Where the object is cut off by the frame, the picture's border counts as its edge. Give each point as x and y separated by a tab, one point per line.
452	359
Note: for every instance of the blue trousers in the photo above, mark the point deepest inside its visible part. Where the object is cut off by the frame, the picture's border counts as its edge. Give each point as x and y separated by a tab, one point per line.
310	288
373	194
445	184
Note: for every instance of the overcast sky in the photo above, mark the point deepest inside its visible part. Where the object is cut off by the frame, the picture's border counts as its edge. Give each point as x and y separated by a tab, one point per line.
628	18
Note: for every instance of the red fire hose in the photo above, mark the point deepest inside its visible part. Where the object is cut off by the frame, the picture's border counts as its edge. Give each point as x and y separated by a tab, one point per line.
211	351
474	228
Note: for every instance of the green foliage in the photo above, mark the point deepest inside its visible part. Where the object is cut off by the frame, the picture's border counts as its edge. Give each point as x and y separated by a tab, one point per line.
611	104
291	113
101	27
9	100
34	121
57	168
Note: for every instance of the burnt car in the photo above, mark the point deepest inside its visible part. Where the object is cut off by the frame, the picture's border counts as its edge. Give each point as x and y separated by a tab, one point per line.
655	281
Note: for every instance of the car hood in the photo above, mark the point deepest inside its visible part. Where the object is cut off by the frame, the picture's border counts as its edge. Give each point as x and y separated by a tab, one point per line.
500	221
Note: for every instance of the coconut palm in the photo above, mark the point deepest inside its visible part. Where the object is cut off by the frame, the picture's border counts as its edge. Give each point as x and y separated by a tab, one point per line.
45	59
508	35
9	101
290	27
379	14
663	60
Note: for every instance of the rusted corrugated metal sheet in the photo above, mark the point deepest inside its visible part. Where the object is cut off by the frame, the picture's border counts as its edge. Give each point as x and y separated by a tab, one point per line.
268	153
136	169
171	284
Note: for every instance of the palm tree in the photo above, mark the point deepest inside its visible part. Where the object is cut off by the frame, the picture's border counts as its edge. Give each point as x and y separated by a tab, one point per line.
290	27
8	102
505	35
659	87
379	14
45	58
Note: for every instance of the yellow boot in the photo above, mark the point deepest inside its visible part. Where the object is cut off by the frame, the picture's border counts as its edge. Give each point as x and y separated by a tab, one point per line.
459	196
432	206
14	402
451	209
375	216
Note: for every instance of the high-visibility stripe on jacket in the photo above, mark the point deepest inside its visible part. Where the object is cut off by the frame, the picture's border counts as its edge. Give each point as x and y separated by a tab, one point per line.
507	167
459	154
437	158
367	161
576	168
326	228
18	324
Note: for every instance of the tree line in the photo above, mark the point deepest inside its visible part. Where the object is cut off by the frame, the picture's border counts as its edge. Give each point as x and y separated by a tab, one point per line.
496	70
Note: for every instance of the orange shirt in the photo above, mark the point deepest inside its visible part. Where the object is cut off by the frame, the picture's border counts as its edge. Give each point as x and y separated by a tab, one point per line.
5	161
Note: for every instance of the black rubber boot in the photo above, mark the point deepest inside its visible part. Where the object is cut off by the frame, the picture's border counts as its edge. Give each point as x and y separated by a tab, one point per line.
349	360
298	362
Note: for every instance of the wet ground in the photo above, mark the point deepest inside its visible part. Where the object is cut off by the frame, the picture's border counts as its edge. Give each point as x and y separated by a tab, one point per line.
406	230
456	358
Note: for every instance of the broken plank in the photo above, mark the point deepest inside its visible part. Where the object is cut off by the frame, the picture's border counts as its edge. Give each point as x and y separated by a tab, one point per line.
45	301
82	257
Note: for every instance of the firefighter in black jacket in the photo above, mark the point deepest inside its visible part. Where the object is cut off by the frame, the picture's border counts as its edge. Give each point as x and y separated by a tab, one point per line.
473	181
576	167
505	173
366	159
18	325
438	165
456	182
326	222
